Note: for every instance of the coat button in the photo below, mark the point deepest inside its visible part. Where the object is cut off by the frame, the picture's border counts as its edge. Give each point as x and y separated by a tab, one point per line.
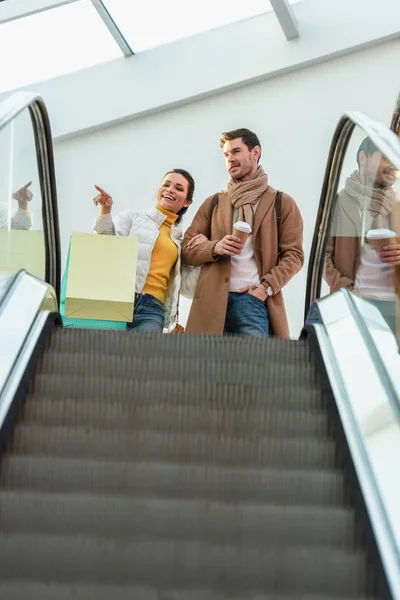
226	279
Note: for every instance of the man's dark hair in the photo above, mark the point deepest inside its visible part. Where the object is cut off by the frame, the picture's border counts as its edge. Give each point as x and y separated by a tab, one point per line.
248	137
190	193
368	147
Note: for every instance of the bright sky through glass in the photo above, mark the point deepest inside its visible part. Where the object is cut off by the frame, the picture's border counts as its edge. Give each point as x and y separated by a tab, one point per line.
52	43
150	23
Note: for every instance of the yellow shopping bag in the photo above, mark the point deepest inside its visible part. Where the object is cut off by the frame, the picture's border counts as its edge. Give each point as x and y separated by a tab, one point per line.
101	277
22	249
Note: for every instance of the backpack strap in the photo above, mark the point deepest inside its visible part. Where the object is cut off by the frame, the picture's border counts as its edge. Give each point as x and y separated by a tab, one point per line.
213	205
278	206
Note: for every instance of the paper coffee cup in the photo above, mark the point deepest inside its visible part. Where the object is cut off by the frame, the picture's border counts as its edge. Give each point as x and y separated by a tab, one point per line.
378	238
242	230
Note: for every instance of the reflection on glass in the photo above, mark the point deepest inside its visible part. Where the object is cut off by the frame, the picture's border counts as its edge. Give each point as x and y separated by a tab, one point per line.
363	251
21	229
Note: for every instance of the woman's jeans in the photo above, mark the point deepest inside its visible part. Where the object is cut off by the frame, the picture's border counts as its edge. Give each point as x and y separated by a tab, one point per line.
148	314
246	315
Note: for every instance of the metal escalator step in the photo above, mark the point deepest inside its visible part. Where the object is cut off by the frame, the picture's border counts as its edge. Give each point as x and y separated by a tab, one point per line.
22	590
179	447
127	344
204	393
202	368
181	520
283	569
215	483
174	418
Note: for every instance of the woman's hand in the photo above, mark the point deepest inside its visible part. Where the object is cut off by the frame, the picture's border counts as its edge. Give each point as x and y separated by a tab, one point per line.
104	199
197	239
23	196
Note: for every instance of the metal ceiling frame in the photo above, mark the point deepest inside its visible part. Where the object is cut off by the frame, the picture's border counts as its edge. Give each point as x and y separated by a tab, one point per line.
16	9
286	18
112	27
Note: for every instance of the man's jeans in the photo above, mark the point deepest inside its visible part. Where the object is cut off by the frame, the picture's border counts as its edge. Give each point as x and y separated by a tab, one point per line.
148	314
246	315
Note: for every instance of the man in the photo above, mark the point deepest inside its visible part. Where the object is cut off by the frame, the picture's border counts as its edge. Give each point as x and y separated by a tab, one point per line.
368	201
239	288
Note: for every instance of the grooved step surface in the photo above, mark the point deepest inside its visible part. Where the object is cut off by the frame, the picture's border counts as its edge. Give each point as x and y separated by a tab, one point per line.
158	467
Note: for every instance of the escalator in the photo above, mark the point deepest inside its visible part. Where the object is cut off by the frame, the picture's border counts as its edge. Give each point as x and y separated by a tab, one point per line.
143	467
161	467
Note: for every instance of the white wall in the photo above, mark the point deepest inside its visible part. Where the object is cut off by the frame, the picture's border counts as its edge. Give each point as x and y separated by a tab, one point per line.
294	115
222	59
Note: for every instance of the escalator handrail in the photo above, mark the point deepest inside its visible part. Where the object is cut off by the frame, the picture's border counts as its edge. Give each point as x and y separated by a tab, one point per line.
387	142
25	299
10	108
395	124
339	314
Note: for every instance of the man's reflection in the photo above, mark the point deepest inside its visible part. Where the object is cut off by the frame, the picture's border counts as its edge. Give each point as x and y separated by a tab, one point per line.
367	202
22	218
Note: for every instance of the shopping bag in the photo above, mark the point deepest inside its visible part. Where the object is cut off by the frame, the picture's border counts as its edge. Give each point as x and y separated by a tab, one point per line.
22	249
101	277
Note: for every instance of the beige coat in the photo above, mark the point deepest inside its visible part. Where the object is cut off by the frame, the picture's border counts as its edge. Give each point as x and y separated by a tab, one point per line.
208	311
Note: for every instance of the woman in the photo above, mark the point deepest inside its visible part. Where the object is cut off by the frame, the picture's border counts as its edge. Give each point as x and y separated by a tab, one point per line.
158	275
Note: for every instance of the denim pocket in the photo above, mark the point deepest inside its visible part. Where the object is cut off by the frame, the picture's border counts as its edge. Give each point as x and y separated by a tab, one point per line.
256	299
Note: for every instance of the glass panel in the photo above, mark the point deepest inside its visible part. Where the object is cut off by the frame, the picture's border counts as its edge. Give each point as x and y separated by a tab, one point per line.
21	229
177	18
363	252
52	43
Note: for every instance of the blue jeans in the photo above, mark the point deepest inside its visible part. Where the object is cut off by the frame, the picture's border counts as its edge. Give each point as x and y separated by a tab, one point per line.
246	315
148	314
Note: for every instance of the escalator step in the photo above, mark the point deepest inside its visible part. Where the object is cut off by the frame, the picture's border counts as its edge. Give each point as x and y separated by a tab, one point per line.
166	391
22	590
195	521
284	569
183	448
181	368
216	483
172	418
213	348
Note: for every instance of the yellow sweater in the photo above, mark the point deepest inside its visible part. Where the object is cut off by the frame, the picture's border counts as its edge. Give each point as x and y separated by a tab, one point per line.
163	258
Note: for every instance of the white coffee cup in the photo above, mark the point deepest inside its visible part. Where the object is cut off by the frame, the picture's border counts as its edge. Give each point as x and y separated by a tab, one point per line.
378	238
242	230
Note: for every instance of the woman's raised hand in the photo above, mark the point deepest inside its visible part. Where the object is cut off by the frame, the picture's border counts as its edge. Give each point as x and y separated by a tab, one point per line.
23	196
104	199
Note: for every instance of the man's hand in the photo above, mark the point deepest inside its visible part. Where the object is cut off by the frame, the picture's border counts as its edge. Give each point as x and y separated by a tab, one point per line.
23	196
104	199
196	240
259	291
230	245
390	254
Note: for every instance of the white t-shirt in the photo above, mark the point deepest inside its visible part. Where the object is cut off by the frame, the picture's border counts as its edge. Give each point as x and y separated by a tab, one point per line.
243	266
375	279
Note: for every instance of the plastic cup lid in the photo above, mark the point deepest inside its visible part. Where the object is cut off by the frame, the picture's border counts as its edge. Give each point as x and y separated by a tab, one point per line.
242	226
380	234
